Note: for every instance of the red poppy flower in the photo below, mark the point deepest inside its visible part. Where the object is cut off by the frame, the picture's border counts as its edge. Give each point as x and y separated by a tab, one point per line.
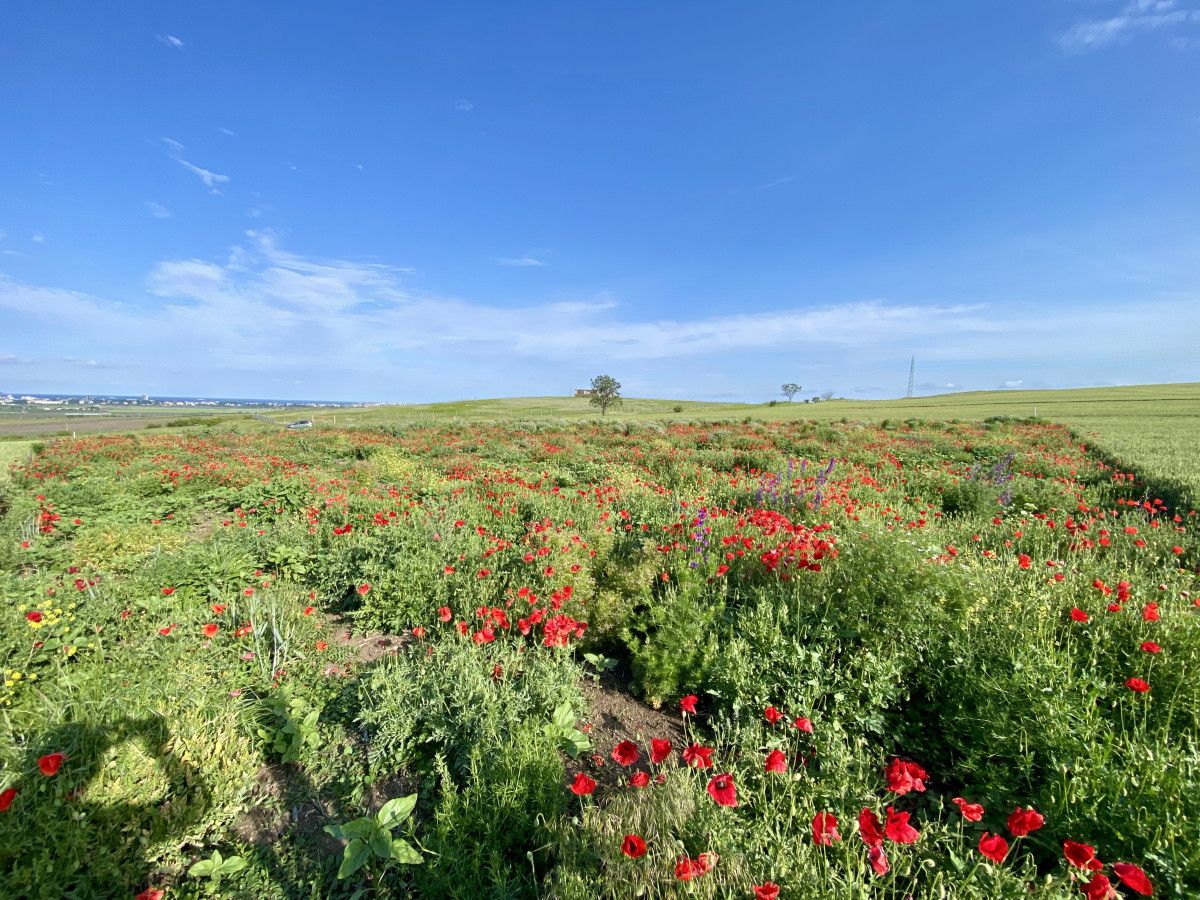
582	785
1150	612
321	645
633	846
218	608
50	764
1134	878
897	829
688	704
878	860
768	890
972	812
1023	821
210	630
660	749
824	829
6	798
698	757
772	715
803	723
1024	561
1082	856
168	591
1151	647
904	776
775	762
308	610
34	616
870	828
1100	888
444	613
686	869
626	753
151	894
363	590
1137	685
1079	615
993	846
722	789
165	630
639	779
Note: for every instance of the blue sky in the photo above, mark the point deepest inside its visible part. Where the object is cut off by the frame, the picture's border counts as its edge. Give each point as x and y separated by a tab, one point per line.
437	201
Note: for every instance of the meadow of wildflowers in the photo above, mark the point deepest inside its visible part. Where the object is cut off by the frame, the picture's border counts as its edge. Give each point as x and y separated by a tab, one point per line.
822	660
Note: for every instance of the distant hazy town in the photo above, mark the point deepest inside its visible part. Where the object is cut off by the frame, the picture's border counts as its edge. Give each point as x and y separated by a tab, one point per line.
98	402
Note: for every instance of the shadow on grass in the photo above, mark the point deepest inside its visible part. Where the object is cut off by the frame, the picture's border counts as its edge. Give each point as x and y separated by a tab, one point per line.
56	841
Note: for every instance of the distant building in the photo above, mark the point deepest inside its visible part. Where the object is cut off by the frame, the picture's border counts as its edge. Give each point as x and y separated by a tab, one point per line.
583	392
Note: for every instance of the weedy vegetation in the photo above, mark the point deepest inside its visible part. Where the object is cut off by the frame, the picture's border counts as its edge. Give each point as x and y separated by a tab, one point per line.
787	658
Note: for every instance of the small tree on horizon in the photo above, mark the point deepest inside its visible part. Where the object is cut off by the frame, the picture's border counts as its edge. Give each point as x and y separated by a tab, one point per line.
790	390
606	392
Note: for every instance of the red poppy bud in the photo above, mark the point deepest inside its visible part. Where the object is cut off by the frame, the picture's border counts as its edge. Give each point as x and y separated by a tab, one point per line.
50	764
582	785
775	762
993	846
660	749
1134	878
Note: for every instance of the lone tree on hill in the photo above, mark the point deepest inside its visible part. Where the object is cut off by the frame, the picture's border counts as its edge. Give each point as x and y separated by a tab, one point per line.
790	390
606	392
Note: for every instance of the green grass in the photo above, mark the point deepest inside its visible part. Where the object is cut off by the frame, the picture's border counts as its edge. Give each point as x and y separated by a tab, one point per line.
1153	429
10	452
912	600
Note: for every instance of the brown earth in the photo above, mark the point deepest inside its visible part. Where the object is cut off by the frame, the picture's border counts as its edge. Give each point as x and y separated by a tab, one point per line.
616	715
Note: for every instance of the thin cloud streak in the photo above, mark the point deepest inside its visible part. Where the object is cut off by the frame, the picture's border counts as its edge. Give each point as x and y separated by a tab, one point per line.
211	179
265	312
520	261
1137	16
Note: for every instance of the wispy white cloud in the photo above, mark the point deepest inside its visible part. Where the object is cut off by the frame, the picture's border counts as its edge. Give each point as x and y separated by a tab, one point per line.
210	178
786	179
38	238
266	312
170	40
464	105
1136	16
520	261
228	131
158	210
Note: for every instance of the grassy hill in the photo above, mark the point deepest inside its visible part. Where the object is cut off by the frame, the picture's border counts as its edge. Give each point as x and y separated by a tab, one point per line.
1152	428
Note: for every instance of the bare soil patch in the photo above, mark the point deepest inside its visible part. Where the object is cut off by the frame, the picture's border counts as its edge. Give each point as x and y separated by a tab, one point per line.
616	715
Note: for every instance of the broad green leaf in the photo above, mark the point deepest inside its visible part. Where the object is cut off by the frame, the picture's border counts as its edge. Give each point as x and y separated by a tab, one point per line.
403	852
232	865
202	868
564	716
359	828
357	853
396	811
380	843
